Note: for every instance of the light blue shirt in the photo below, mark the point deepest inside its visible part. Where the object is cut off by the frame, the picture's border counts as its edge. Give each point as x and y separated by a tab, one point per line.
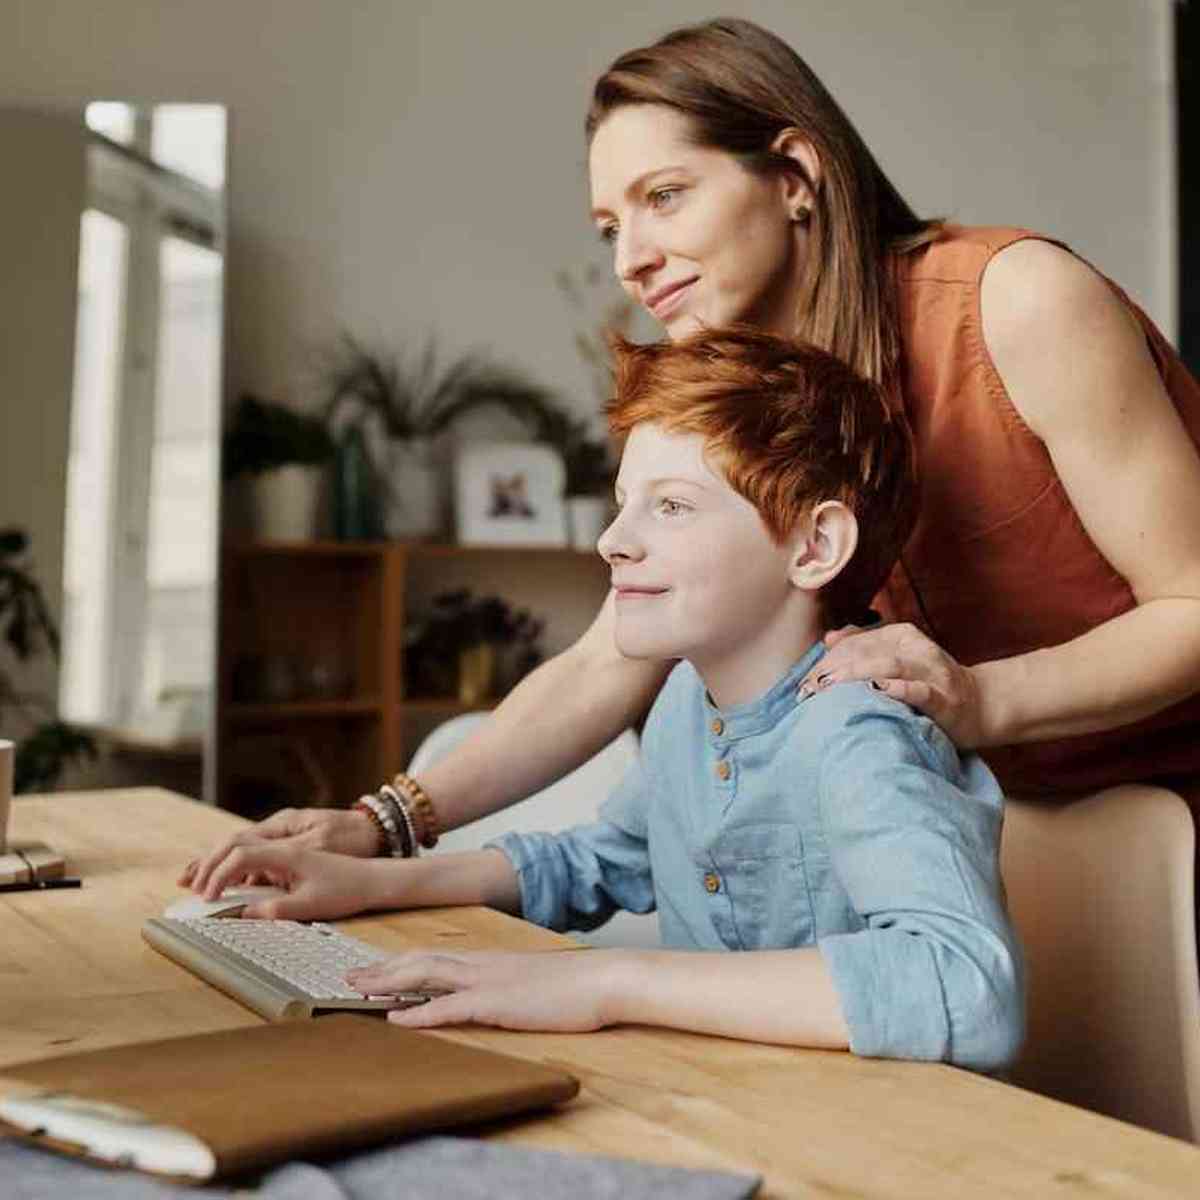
845	821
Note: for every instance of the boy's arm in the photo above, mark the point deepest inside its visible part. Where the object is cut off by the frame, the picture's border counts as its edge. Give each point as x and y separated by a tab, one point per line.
783	996
578	878
325	886
571	880
913	835
471	877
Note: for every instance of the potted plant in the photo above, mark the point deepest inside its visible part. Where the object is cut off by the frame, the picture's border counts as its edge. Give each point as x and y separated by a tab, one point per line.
589	484
414	402
282	453
472	647
48	744
599	315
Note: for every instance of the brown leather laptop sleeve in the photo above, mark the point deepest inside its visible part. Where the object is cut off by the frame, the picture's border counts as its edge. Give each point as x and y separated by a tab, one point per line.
270	1093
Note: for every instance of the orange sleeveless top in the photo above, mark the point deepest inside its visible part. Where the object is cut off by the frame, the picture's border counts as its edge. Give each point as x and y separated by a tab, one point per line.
999	563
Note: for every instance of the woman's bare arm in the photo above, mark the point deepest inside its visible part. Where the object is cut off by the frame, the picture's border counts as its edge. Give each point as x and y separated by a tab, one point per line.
1076	367
551	722
1133	475
554	720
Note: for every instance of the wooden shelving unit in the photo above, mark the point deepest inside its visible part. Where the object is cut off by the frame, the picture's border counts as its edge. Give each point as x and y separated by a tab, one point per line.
322	624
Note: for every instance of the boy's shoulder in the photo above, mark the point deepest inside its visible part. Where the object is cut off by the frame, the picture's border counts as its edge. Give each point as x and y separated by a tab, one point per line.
848	717
863	746
841	704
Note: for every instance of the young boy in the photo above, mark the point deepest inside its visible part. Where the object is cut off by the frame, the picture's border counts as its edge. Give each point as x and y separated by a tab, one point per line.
837	843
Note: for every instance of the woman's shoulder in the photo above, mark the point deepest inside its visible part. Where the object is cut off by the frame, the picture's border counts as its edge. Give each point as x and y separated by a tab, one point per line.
961	253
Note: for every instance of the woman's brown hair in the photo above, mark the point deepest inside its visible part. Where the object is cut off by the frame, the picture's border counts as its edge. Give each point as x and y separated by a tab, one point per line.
741	86
788	425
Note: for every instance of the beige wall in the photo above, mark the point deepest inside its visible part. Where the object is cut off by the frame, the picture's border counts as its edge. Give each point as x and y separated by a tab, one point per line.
417	166
39	233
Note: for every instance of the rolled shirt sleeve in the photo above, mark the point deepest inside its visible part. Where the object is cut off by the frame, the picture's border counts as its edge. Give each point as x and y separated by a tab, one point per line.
578	878
913	834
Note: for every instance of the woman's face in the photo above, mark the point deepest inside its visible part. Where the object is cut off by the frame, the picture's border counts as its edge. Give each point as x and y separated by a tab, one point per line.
696	239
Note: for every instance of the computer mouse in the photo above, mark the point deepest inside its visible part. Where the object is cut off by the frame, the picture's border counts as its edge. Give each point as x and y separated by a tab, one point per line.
229	904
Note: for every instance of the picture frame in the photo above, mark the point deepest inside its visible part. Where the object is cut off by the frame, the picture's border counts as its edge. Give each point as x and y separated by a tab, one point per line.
509	494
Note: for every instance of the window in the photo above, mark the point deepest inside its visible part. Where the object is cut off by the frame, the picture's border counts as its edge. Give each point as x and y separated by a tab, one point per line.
142	493
113	119
103	257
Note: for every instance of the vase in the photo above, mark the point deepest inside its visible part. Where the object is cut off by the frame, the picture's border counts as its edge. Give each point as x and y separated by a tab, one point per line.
587	518
284	503
412	490
476	673
356	499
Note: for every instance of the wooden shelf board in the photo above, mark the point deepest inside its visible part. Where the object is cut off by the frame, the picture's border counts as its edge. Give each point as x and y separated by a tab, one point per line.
455	550
332	549
316	549
439	704
302	709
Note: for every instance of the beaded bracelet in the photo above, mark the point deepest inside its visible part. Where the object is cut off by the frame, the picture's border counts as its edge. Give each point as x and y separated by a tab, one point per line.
383	843
395	839
422	809
408	829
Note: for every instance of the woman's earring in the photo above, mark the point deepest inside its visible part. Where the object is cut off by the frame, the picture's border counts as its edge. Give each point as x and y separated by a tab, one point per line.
801	215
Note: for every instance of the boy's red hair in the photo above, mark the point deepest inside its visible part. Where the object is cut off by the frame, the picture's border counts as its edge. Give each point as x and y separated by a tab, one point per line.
789	425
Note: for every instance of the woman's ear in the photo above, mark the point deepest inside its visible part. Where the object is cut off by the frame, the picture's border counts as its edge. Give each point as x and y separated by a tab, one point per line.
801	186
825	546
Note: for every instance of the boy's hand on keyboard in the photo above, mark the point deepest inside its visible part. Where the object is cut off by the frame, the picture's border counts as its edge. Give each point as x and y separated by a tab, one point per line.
554	991
334	829
320	886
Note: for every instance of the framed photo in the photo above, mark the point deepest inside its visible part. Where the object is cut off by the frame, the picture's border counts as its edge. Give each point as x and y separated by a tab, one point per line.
509	494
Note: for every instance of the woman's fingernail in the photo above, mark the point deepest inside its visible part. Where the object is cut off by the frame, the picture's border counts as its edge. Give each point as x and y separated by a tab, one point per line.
804	691
823	679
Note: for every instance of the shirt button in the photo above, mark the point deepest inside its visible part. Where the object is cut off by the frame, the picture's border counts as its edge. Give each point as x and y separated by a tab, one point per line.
712	882
717	726
724	770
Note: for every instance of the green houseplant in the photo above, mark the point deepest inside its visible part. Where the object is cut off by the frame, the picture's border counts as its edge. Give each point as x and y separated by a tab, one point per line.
416	399
48	743
475	647
600	313
281	453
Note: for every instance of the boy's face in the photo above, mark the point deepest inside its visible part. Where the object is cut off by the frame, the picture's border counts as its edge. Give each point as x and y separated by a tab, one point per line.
695	571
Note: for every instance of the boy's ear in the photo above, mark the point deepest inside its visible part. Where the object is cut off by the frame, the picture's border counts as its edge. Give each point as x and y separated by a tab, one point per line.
824	545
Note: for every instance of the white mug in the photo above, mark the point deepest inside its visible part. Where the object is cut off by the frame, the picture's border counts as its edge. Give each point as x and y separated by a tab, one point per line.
7	750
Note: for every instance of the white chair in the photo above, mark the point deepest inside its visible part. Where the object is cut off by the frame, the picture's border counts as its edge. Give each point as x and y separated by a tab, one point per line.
571	801
1102	892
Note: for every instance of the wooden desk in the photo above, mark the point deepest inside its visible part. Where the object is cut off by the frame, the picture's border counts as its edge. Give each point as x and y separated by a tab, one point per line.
75	974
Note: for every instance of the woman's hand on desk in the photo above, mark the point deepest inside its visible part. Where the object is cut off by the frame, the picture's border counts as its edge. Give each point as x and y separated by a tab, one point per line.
337	830
557	991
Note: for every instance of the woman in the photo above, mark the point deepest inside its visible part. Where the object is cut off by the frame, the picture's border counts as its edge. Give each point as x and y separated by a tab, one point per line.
1048	603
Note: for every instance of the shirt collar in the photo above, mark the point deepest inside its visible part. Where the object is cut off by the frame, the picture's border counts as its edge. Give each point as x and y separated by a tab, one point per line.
763	713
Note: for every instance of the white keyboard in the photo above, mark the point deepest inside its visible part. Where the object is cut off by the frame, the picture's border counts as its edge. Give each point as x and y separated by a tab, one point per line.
281	969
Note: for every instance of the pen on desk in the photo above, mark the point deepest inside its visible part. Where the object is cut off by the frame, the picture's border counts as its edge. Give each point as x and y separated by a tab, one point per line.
40	885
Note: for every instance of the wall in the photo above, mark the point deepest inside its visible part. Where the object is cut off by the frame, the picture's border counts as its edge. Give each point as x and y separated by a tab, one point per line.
420	168
39	234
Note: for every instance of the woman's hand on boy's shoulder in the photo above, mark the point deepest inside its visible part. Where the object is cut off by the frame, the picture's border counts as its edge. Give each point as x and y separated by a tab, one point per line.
900	661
